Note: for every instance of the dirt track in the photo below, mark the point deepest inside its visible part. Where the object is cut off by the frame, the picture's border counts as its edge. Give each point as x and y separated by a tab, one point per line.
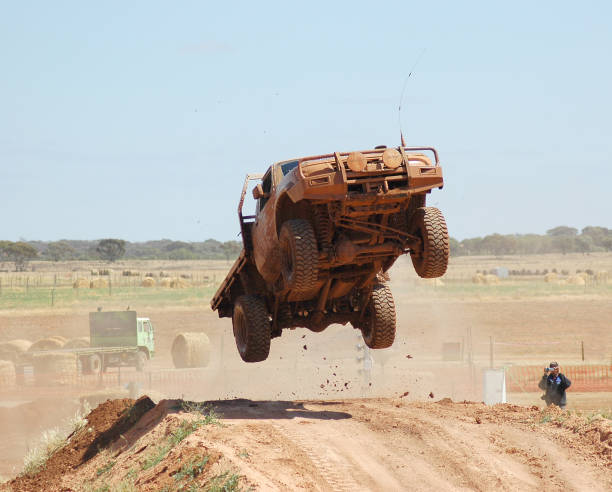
374	444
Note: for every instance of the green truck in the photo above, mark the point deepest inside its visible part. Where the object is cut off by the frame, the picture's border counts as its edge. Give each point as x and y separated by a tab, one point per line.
116	339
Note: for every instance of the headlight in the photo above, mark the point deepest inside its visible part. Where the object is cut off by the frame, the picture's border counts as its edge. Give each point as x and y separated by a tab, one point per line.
356	162
392	158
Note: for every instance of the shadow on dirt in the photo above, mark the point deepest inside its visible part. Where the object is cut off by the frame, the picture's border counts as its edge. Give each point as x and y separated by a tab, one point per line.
249	409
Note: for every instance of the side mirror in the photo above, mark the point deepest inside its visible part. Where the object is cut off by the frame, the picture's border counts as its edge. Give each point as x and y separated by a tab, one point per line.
258	192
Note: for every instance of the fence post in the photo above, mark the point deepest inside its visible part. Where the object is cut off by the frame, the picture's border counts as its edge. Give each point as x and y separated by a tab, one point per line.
52	296
582	349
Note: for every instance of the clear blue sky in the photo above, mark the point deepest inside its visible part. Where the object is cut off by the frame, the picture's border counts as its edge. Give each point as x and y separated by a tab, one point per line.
139	120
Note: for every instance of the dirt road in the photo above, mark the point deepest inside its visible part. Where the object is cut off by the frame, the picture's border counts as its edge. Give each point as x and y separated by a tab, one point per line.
363	444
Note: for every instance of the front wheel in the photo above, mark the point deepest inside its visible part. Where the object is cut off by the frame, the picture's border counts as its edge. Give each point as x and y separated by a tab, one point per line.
429	225
252	329
378	328
300	255
94	364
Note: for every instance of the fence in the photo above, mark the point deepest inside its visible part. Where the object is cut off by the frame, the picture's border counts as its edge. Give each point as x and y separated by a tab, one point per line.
584	378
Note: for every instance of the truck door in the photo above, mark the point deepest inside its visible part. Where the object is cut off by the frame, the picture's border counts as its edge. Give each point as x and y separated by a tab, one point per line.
265	242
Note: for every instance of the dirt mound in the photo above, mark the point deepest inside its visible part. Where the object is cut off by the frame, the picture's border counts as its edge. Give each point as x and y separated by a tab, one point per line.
105	424
362	444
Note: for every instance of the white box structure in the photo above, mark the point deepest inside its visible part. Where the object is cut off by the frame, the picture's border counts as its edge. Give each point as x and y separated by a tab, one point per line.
494	386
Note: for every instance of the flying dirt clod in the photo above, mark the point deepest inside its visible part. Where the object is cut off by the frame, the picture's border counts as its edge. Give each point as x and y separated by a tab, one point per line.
325	232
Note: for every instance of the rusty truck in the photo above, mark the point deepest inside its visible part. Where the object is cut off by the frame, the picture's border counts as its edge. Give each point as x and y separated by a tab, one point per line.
325	232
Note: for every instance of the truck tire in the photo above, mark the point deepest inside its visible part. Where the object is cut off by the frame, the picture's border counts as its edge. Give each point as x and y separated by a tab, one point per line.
299	255
251	324
428	224
94	364
141	360
378	329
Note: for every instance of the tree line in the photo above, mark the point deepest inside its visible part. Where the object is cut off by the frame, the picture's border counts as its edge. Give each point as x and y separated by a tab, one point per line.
562	239
20	253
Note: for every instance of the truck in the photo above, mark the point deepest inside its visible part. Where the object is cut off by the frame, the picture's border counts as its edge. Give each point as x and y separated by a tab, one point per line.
326	230
116	339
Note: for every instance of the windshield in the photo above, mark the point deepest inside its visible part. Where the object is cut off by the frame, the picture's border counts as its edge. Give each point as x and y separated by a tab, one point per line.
287	167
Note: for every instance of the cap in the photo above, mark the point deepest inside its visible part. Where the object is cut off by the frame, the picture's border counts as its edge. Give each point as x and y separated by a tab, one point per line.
553	364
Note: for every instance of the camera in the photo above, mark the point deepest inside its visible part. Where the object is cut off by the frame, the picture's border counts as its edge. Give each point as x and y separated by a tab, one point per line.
548	369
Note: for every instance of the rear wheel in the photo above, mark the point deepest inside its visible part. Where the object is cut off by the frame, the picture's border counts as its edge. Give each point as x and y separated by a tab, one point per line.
141	360
300	255
251	324
429	225
378	328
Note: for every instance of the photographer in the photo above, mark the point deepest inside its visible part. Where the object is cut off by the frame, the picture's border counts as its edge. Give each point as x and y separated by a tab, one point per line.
554	383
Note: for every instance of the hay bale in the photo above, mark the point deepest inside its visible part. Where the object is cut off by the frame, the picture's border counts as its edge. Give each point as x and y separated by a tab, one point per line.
148	282
550	277
80	283
602	277
46	344
7	373
178	283
15	346
478	278
576	280
98	283
491	279
435	282
59	338
583	275
80	342
54	367
190	350
165	282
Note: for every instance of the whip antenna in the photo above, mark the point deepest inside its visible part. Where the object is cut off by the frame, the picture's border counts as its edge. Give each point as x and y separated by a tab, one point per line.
399	108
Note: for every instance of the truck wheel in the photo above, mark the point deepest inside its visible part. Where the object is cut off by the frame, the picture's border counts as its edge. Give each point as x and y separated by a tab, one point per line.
251	324
378	329
299	255
428	224
141	360
95	364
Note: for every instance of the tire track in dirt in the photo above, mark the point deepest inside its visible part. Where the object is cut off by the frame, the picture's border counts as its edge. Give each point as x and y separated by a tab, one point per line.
329	463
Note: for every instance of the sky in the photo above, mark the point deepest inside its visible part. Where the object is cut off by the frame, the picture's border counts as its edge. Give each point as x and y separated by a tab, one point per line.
140	120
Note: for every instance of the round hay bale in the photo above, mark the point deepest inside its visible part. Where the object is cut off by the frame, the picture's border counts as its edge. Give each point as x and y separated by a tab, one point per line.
148	282
178	283
54	367
478	278
98	283
60	339
80	342
491	279
190	350
576	280
46	344
602	277
165	282
16	346
584	275
80	283
550	277
7	373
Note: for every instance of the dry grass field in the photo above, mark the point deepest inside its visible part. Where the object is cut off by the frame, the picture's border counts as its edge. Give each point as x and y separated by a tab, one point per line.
518	321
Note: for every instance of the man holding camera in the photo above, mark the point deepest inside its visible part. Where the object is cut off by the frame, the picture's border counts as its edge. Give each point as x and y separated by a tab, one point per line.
554	383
